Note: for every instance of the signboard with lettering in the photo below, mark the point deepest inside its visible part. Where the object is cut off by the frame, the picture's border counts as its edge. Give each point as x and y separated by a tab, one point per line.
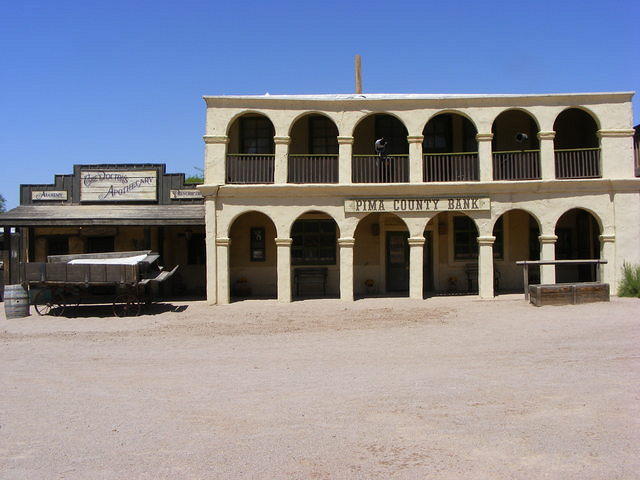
417	204
118	185
48	195
185	194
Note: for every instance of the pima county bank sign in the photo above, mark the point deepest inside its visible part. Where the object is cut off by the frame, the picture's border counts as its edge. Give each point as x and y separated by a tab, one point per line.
418	204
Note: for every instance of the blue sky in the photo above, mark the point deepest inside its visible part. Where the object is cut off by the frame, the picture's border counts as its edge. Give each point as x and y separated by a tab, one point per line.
121	82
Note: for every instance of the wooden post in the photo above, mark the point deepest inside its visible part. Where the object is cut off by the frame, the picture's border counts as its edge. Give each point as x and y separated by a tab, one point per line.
358	74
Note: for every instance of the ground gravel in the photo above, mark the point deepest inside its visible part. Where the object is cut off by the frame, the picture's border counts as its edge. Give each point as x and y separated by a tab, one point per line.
446	388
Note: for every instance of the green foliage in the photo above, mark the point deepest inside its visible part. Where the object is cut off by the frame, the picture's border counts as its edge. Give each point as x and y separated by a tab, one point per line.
2	204
196	177
630	284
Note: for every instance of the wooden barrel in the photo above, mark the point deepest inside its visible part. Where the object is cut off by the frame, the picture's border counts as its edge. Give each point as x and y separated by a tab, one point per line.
16	301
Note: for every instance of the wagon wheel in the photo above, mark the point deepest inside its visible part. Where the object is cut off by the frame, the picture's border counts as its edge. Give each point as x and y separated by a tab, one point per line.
53	305
126	305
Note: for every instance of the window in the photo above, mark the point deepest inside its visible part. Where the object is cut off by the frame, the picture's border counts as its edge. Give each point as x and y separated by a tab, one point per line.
465	239
498	245
257	245
256	135
314	242
196	249
323	136
437	135
101	244
58	245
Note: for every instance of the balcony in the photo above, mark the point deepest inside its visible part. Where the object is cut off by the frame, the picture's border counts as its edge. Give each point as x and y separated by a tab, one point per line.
516	165
250	168
450	167
578	163
313	169
373	169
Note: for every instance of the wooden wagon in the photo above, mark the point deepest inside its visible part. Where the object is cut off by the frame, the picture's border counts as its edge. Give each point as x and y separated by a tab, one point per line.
120	278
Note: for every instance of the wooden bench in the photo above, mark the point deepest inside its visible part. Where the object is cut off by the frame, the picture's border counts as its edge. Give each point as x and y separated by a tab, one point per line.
311	281
568	293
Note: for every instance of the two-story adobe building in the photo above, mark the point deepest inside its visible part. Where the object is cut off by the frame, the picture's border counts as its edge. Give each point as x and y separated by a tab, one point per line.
298	202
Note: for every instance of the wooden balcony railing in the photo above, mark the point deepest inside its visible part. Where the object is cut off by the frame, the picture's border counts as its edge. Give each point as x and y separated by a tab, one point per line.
313	169
578	163
516	165
250	168
450	167
372	169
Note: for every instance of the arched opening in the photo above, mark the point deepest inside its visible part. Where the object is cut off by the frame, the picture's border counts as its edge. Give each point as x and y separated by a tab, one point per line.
577	152
313	151
381	256
252	257
517	235
314	256
450	149
451	255
578	234
516	148
250	152
389	167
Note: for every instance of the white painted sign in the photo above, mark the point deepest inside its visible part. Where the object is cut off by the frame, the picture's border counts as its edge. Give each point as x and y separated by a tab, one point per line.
184	194
118	185
417	204
48	195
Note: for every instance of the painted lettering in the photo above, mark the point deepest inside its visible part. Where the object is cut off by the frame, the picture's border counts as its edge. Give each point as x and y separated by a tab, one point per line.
380	205
396	204
371	205
474	203
452	204
466	203
358	205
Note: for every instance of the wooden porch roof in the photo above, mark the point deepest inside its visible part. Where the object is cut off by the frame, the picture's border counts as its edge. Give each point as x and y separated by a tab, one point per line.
80	215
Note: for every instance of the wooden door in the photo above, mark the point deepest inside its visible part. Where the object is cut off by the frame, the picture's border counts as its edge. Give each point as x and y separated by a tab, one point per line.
397	262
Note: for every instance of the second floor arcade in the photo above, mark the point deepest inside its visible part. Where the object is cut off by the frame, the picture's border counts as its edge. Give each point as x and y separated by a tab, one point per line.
330	139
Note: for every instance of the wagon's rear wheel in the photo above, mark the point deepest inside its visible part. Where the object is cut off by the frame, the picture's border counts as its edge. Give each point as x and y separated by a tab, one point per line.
48	302
126	305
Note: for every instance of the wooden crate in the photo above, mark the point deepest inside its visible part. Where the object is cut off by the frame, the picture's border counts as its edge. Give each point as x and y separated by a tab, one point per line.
568	293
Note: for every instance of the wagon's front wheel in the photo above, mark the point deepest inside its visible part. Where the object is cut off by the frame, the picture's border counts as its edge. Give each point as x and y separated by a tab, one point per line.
49	302
126	305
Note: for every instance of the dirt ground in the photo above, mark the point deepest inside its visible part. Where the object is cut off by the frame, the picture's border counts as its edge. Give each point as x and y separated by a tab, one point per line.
446	388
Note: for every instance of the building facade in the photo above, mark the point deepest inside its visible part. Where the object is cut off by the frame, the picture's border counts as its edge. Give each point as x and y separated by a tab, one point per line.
299	204
111	208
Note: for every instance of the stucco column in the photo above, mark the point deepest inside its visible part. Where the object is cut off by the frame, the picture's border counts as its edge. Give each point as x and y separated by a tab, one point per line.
416	262
547	155
215	152
484	156
210	243
608	253
616	153
345	150
284	269
346	267
547	252
485	266
415	158
280	168
223	270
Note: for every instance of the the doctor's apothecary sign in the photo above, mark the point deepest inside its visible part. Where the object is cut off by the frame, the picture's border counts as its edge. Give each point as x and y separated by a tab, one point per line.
118	185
